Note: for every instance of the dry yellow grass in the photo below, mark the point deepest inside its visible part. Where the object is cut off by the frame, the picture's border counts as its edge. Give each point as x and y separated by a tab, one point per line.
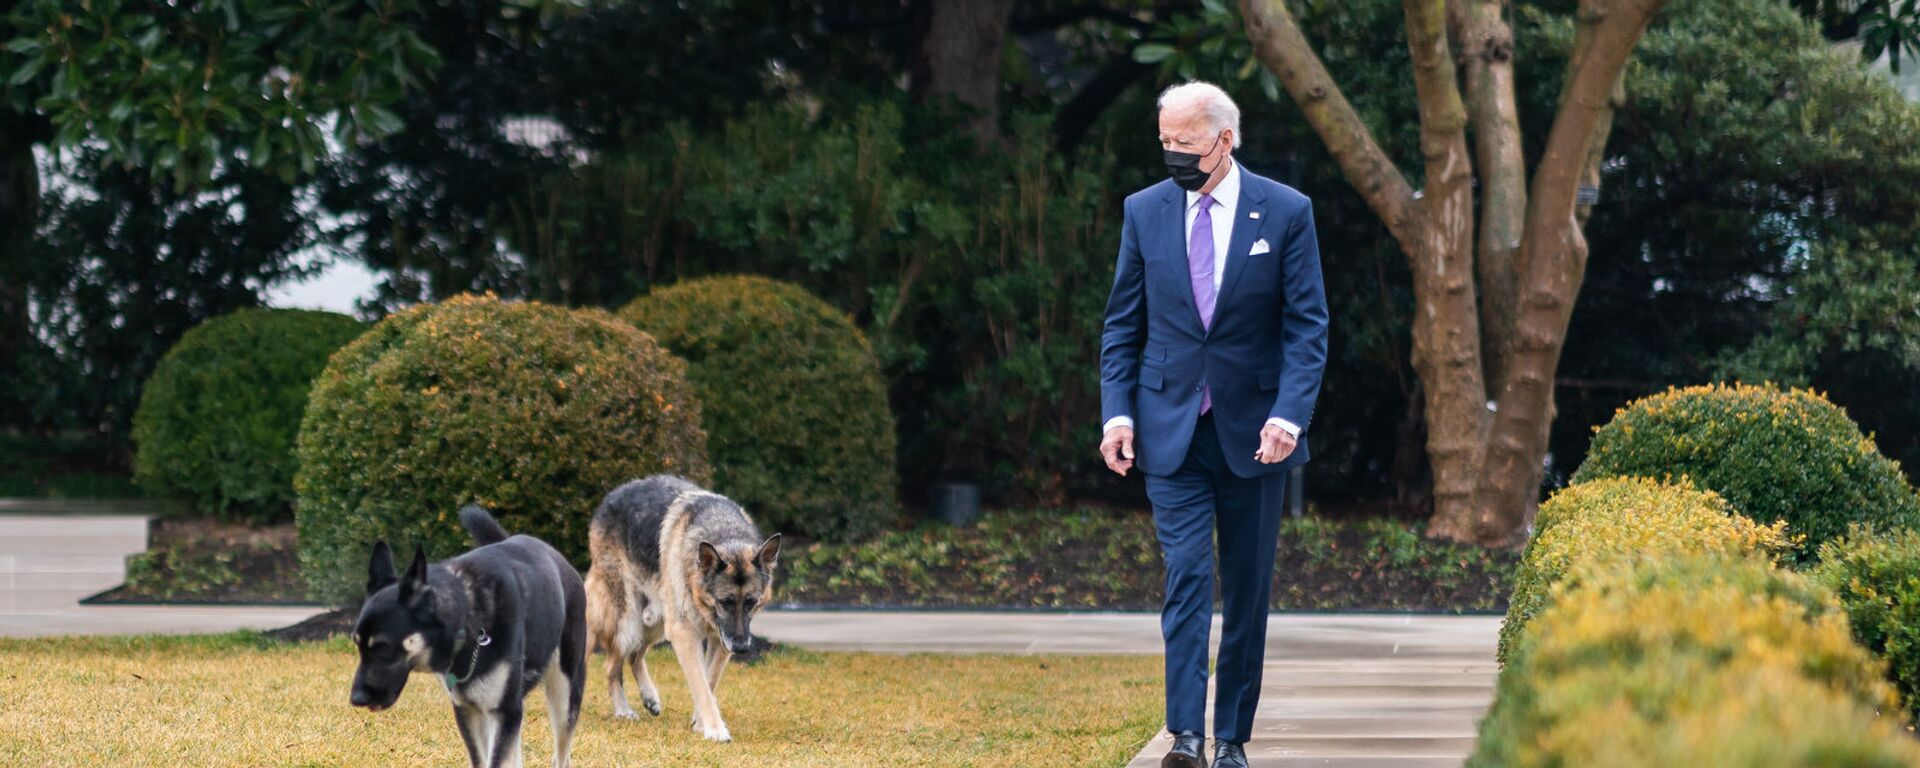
238	700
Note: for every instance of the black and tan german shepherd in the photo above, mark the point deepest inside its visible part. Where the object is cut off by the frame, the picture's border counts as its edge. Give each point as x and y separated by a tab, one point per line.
673	560
491	624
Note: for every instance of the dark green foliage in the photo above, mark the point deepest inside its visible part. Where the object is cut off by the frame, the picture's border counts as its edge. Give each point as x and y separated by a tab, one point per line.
791	398
1775	455
1756	220
177	88
532	411
217	419
125	265
1878	580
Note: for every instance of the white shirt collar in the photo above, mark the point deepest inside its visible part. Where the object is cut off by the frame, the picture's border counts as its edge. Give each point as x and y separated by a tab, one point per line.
1227	192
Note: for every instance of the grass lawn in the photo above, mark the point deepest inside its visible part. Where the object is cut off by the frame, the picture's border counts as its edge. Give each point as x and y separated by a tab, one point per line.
241	699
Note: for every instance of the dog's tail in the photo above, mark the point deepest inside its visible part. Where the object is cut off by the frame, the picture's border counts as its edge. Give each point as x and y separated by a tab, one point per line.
481	526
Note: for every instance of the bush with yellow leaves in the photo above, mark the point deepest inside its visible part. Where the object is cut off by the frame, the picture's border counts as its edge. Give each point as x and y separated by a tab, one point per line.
1693	661
1600	525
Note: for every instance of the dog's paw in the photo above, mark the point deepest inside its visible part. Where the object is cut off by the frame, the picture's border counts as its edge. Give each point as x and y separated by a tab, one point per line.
652	705
719	734
626	713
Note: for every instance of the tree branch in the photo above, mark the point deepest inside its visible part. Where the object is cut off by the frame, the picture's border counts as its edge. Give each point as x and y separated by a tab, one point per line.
1553	262
1486	55
1280	45
1071	123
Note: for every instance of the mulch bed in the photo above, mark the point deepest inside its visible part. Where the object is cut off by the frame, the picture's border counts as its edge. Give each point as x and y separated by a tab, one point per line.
1083	559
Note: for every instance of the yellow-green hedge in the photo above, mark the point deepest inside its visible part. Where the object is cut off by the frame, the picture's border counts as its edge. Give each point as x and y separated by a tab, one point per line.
1774	454
1602	524
1692	661
531	410
792	400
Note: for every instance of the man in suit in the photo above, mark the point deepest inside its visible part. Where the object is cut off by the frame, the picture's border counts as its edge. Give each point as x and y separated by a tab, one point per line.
1215	340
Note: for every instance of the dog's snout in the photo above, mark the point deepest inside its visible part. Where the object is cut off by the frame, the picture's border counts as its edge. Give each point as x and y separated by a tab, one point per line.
360	697
738	647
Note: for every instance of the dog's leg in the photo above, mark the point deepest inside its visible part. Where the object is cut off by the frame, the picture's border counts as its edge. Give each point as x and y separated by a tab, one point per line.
473	731
706	711
617	685
649	695
506	727
717	658
562	706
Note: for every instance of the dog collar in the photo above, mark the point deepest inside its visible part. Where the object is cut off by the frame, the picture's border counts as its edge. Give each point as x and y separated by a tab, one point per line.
473	661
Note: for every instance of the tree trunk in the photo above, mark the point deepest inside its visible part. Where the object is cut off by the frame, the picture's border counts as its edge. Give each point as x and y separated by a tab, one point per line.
960	57
1553	261
1486	456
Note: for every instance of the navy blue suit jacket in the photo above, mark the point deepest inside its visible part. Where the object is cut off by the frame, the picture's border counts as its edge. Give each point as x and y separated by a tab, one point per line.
1266	350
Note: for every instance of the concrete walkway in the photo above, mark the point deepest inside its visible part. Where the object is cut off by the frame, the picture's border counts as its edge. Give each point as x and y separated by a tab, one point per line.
55	553
1340	690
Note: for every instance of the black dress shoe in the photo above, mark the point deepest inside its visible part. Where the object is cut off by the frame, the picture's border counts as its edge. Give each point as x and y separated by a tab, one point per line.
1227	754
1186	751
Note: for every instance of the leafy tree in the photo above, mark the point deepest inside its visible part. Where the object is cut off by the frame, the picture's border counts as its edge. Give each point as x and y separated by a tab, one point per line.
1493	302
184	91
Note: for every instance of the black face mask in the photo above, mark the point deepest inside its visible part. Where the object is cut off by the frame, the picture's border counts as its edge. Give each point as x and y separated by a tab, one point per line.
1184	167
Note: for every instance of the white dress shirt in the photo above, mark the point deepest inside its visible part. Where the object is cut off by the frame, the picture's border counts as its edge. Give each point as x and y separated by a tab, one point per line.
1226	202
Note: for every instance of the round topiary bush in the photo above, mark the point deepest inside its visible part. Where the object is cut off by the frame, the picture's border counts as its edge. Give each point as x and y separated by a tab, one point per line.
1602	524
532	411
217	418
1775	454
793	402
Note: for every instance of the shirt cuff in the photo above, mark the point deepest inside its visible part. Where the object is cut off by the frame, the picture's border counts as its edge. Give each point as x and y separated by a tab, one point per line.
1290	427
1117	421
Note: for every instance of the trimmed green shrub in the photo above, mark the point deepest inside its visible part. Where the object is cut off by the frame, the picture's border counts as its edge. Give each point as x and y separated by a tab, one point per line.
218	416
1775	454
1602	524
792	400
530	410
1636	665
1878	581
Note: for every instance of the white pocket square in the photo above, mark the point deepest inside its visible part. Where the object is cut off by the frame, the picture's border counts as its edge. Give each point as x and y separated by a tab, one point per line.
1259	247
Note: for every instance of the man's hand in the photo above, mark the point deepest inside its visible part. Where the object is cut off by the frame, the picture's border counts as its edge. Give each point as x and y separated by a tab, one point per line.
1117	449
1275	445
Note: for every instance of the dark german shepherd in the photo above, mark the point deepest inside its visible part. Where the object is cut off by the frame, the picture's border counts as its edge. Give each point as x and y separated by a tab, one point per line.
493	623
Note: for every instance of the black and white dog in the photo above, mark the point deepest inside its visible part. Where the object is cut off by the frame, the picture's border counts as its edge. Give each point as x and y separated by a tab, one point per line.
492	623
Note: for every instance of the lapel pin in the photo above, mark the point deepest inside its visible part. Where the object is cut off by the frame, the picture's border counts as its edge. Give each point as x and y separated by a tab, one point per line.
1253	214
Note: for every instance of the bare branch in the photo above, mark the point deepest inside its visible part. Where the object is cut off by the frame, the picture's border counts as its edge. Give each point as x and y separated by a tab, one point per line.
1280	45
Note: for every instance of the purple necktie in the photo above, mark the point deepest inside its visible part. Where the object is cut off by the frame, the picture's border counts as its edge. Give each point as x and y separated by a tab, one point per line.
1200	268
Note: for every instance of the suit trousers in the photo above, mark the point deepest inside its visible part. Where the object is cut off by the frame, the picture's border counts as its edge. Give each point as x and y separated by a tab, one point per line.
1199	501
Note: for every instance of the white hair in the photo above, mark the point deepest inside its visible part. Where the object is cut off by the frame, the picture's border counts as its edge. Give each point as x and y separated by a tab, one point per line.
1214	104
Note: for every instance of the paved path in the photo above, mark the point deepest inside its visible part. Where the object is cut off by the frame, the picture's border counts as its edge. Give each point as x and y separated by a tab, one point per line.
1340	690
53	554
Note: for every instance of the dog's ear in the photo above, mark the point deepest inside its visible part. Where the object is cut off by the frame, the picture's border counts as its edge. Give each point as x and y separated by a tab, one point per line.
710	560
380	568
769	553
415	592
